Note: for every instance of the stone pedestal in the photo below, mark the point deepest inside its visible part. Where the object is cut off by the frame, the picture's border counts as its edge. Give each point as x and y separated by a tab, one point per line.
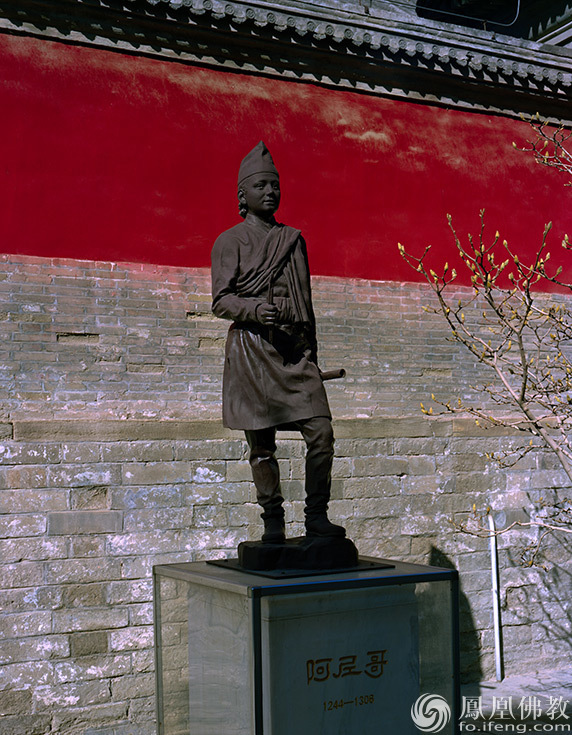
339	653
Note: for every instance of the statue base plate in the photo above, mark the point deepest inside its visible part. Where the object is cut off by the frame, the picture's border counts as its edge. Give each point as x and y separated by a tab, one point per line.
302	556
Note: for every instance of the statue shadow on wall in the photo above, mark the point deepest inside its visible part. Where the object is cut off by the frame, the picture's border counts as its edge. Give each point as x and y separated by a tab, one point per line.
471	669
547	604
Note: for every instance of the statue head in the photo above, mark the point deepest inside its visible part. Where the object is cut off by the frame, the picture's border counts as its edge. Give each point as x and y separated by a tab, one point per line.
258	184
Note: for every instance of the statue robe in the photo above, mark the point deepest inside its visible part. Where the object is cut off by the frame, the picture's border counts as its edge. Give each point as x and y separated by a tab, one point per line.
270	377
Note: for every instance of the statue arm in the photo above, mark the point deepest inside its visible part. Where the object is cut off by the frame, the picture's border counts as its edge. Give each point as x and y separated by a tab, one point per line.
227	304
311	325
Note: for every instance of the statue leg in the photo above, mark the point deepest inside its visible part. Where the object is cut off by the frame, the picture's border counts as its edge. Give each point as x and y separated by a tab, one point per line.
319	438
266	476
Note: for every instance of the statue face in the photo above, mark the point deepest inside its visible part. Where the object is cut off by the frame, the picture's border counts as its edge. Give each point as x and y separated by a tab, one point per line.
261	194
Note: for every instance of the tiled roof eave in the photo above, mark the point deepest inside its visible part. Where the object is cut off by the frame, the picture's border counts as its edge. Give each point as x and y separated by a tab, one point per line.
421	43
394	51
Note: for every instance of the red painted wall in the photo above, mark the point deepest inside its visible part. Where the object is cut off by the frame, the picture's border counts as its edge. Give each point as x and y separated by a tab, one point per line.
105	156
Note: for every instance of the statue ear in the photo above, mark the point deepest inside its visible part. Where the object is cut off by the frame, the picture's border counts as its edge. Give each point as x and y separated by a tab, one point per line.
242	206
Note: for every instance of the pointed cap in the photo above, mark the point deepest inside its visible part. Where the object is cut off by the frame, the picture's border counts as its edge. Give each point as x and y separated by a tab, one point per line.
258	161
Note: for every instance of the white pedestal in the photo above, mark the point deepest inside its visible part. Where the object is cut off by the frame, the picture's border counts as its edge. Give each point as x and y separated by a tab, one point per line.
343	654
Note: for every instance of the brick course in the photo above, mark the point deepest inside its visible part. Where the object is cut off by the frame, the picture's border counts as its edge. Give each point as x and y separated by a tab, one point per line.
139	341
113	458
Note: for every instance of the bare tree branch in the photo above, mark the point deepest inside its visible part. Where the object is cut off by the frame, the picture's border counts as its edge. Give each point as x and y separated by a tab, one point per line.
524	337
550	146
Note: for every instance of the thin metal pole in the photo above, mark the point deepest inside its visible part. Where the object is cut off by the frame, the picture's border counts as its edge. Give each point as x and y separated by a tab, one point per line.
496	598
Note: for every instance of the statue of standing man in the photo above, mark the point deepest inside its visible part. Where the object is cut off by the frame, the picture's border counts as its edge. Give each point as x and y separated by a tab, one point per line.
271	379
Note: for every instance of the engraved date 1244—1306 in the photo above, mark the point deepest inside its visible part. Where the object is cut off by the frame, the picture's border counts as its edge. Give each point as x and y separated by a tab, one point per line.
359	701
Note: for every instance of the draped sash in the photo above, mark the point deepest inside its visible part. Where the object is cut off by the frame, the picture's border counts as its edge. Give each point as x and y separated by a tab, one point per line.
283	251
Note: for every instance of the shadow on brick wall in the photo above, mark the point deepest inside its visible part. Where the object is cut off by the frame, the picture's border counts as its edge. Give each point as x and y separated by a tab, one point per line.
471	669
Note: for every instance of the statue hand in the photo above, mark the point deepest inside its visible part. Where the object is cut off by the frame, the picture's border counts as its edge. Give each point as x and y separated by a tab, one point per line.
267	314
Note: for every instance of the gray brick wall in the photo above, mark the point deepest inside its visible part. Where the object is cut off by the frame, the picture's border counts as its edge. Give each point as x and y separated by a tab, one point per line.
113	459
89	339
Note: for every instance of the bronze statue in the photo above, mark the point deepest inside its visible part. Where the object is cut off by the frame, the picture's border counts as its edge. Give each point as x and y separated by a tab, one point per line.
271	380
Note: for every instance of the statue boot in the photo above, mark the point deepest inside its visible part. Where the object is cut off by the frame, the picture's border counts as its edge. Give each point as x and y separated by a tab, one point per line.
318	481
274	529
266	476
318	524
319	458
